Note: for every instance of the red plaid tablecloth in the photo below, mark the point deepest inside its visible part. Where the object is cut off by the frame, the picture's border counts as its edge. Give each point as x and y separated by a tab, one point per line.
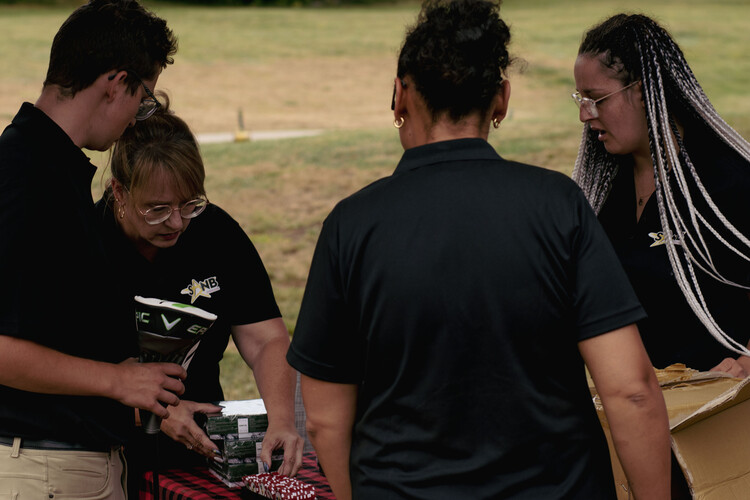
200	484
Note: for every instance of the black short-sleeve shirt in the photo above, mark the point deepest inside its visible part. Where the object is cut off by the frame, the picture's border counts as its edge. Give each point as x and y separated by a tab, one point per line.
454	294
672	333
213	266
54	273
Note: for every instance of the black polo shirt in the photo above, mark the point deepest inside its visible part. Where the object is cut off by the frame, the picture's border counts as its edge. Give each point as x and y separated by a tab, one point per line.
54	271
454	293
213	266
672	333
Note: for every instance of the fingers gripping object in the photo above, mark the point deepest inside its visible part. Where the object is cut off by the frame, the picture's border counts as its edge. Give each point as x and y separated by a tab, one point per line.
168	332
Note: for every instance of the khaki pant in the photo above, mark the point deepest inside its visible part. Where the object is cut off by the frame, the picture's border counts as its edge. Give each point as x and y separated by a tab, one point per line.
28	474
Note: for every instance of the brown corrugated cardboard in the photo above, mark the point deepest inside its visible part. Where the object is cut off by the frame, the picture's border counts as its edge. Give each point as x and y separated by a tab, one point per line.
709	418
712	445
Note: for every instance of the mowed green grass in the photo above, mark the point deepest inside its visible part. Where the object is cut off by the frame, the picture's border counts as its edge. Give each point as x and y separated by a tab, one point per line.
332	69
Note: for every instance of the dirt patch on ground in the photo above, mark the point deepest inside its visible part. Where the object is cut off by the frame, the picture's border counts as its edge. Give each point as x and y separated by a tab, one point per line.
325	93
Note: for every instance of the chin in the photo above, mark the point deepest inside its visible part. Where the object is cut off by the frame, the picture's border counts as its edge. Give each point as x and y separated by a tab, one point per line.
613	149
165	243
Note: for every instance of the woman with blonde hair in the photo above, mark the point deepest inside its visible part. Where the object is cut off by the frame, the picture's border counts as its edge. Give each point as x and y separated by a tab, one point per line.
170	243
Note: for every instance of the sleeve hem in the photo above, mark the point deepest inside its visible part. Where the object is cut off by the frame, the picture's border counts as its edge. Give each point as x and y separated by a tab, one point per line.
611	322
317	370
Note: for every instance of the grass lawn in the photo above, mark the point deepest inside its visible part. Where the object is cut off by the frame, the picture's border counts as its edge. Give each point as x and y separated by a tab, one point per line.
333	69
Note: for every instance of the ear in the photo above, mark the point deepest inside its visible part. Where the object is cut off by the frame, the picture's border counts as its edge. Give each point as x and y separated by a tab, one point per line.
399	98
118	190
500	108
115	82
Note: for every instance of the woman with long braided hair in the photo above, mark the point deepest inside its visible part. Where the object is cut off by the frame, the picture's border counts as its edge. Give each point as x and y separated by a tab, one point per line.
670	182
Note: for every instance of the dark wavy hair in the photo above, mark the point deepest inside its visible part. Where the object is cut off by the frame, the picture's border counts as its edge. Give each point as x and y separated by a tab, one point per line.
106	35
456	54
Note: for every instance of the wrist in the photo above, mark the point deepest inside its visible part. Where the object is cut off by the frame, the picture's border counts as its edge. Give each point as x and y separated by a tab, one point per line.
107	384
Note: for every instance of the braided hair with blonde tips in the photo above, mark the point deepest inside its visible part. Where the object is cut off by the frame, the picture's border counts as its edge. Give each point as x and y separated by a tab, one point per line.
636	48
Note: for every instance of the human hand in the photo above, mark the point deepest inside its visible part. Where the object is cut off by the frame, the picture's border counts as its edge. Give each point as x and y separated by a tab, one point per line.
149	386
181	427
283	437
739	368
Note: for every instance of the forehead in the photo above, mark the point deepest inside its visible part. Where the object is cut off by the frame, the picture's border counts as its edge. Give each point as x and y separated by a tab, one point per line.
592	74
160	188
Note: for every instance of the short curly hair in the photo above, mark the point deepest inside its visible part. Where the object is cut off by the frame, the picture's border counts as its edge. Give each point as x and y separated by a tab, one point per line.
457	55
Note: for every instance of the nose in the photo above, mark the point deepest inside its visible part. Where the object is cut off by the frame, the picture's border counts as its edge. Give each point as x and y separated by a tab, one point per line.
175	221
584	114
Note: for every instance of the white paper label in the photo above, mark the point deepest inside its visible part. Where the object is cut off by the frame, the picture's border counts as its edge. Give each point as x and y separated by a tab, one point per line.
242	425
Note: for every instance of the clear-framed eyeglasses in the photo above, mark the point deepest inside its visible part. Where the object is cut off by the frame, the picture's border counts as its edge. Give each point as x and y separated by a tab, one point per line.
589	105
148	105
188	210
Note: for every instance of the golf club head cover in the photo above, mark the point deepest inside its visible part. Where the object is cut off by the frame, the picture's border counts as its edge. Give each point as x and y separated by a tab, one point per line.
167	332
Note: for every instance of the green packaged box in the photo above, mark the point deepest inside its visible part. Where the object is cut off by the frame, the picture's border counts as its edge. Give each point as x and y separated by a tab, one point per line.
234	446
236	469
242	418
235	472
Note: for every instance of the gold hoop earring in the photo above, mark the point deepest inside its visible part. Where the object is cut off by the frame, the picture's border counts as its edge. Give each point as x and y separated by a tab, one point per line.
399	122
496	122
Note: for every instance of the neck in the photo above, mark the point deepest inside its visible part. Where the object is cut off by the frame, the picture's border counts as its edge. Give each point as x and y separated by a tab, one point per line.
148	251
443	131
423	130
66	112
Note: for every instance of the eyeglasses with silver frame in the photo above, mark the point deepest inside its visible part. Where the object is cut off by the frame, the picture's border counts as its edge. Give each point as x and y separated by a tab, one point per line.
589	105
188	210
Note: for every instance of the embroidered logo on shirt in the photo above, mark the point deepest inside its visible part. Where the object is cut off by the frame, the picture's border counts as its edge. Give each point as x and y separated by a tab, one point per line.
203	288
660	239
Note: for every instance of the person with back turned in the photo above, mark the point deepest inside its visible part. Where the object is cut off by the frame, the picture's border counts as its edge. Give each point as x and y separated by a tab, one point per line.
450	307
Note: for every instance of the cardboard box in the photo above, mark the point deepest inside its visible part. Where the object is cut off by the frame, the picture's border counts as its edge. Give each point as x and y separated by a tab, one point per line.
709	420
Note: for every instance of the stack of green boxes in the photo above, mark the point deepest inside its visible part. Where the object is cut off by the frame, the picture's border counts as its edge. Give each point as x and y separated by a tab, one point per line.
238	432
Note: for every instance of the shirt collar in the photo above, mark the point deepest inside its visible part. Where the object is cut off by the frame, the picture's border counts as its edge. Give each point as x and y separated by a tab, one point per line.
445	151
54	139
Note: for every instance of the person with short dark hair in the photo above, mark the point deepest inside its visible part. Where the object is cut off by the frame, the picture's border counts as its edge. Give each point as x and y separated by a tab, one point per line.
450	307
66	372
168	242
669	180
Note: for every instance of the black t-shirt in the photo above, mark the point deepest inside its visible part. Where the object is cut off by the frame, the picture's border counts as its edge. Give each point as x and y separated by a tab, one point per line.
672	333
54	272
213	266
454	294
